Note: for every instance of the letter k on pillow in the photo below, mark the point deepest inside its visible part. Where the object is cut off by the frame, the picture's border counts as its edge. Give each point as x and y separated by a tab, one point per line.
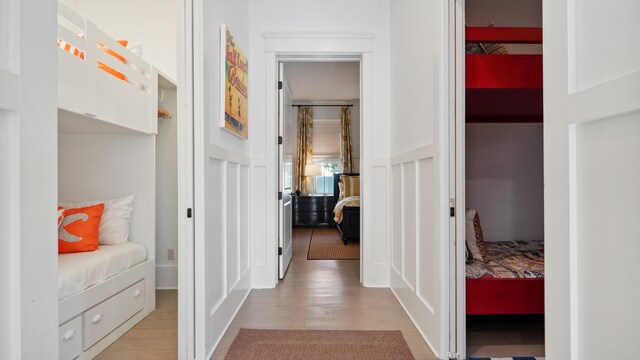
78	231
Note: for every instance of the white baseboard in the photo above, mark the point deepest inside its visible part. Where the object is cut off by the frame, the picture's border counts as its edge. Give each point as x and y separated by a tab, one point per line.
166	277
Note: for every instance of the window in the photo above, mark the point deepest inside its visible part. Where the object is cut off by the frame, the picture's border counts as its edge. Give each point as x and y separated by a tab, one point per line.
324	183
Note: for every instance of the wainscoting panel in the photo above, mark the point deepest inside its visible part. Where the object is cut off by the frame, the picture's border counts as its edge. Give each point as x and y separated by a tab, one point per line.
396	215
243	220
227	238
215	263
427	271
415	274
232	215
409	210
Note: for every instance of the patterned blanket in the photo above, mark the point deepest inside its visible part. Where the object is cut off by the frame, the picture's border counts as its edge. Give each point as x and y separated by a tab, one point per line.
348	201
510	260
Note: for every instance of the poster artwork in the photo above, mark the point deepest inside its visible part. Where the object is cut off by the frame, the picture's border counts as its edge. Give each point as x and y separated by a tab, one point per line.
235	90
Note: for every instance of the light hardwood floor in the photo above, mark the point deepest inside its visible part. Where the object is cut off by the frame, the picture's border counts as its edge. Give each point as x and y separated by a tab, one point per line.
323	294
502	336
153	338
316	294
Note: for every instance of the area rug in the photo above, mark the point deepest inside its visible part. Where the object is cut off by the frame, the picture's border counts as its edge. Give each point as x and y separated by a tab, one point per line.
508	358
326	244
251	344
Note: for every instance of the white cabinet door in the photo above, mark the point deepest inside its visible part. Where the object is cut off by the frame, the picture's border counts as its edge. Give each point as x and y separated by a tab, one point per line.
28	179
592	173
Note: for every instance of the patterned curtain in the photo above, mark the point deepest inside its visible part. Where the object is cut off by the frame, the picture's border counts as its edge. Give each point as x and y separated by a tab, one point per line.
345	136
305	146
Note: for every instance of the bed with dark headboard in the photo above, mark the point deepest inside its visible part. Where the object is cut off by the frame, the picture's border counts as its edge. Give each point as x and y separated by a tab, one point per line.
350	226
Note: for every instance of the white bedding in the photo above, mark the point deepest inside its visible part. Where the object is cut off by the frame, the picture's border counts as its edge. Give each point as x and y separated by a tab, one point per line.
79	271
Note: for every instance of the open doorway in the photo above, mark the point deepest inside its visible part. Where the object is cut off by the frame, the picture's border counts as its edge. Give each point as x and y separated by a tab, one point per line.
119	156
501	147
319	162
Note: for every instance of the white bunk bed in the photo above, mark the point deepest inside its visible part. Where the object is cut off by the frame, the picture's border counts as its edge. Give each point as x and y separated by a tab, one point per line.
86	90
107	130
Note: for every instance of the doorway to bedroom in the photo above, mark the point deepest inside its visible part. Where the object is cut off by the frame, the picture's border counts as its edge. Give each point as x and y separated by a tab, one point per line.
500	181
319	162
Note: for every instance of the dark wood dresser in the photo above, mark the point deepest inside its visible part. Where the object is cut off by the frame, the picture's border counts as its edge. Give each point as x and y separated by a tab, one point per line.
313	210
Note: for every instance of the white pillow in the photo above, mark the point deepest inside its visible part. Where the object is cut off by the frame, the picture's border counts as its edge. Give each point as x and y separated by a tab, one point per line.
116	219
470	234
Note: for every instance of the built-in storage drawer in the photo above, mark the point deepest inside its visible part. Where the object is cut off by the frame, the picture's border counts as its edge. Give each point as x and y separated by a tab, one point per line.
70	339
108	315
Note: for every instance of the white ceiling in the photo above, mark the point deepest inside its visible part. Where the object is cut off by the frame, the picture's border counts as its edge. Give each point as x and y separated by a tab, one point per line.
323	81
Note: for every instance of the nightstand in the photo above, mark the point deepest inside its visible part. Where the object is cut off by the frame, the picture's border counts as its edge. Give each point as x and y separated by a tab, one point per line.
313	210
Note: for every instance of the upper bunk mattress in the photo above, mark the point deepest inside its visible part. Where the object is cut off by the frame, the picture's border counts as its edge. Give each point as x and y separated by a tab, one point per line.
509	260
79	271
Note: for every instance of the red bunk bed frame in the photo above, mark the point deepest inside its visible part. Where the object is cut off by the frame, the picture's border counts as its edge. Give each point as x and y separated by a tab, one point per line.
504	89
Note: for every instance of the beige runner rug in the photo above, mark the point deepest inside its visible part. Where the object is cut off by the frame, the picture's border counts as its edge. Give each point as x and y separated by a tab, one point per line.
253	344
326	244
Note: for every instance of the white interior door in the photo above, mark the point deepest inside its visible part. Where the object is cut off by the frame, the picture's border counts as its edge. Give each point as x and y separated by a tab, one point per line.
28	154
592	173
286	151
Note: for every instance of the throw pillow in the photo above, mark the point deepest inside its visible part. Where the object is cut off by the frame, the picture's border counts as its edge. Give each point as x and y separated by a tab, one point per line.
116	219
473	235
78	231
351	185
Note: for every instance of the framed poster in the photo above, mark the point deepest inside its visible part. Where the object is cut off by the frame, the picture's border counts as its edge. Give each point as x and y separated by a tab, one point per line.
235	72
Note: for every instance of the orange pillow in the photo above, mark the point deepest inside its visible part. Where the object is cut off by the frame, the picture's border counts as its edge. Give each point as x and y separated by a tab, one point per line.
79	229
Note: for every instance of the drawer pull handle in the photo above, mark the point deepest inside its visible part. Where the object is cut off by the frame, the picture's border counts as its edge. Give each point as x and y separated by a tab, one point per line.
69	335
96	319
137	293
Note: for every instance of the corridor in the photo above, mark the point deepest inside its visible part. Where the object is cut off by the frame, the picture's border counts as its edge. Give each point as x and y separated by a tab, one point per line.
323	295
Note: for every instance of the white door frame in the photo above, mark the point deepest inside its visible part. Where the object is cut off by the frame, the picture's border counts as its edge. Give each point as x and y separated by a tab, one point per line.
326	47
186	257
458	338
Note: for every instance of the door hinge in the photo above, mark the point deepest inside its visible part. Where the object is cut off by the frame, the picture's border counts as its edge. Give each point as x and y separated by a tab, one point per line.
189	213
279	250
279	85
279	140
452	211
453	356
279	195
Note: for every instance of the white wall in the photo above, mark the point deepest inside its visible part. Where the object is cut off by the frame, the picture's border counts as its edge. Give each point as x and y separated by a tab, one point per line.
222	192
152	22
521	13
505	180
331	80
167	194
418	199
101	167
334	16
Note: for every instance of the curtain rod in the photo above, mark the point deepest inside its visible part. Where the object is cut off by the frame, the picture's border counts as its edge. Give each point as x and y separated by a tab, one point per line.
347	105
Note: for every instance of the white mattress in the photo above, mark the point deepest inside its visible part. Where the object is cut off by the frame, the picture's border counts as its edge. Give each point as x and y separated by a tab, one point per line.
79	271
